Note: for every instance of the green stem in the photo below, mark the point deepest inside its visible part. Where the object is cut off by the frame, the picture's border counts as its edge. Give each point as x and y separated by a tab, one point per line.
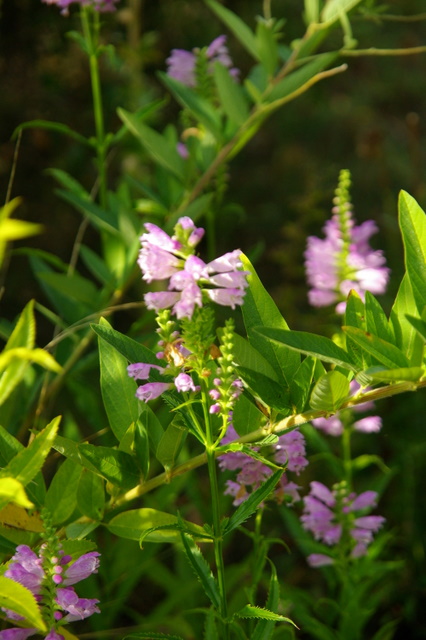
215	498
346	455
91	36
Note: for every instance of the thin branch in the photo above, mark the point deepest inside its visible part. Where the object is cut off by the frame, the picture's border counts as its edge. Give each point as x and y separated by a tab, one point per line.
372	51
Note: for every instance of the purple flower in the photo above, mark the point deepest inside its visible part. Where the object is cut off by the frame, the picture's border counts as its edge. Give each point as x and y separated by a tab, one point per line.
184	382
328	514
290	451
370	424
152	390
332	426
319	560
181	64
141	370
190	279
35	572
98	5
343	260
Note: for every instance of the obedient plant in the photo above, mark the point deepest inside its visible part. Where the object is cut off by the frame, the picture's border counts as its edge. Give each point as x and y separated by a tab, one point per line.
202	431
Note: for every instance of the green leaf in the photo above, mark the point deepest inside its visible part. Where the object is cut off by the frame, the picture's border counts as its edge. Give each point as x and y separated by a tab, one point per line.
11	490
101	219
28	462
406	337
201	109
383	351
247	356
136	442
171	443
61	496
117	467
311	344
412	221
74	287
355	317
264	628
260	310
300	77
334	9
91	495
17	598
52	126
23	335
149	635
300	386
133	523
376	320
118	389
133	351
270	392
156	145
151	424
419	325
246	416
31	356
250	611
249	506
331	390
231	95
239	28
201	569
267	46
409	374
9	447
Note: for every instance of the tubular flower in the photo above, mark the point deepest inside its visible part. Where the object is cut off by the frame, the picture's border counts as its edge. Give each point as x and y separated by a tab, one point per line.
98	5
344	260
190	280
289	450
181	64
331	517
38	571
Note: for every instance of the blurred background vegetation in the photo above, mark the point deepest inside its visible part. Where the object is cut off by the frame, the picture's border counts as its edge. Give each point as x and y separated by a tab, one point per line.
370	120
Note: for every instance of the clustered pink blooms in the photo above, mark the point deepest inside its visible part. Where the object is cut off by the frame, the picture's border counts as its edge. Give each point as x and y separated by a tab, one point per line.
181	64
151	390
333	426
190	280
331	517
98	5
289	450
35	572
344	260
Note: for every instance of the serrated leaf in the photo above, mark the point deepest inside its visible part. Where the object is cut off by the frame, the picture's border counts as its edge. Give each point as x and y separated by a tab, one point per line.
231	95
132	523
17	517
239	28
259	310
300	386
270	392
117	467
117	388
331	390
28	462
156	145
247	356
265	628
412	221
385	352
249	506
201	569
250	611
16	597
311	344
171	443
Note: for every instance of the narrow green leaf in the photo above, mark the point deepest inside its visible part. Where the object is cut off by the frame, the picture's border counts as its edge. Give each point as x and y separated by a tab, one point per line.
91	495
131	525
298	78
250	611
267	46
259	310
270	392
52	126
419	325
96	265
101	219
156	145
61	496
265	628
201	569
249	506
247	356
246	416
117	467
334	8
331	390
171	443
11	490
136	442
19	599
149	635
151	424
406	337
300	386
239	28
231	95
311	344
409	374
74	287
133	351
412	221
383	351
69	182
117	388
23	335
28	462
355	317
201	109
30	356
376	320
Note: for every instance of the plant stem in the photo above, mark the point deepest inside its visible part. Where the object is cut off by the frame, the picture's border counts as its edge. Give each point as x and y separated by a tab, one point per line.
91	36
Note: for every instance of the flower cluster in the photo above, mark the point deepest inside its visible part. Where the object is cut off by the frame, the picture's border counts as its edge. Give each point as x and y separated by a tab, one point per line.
181	64
191	281
98	5
334	426
331	517
289	450
49	578
343	260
